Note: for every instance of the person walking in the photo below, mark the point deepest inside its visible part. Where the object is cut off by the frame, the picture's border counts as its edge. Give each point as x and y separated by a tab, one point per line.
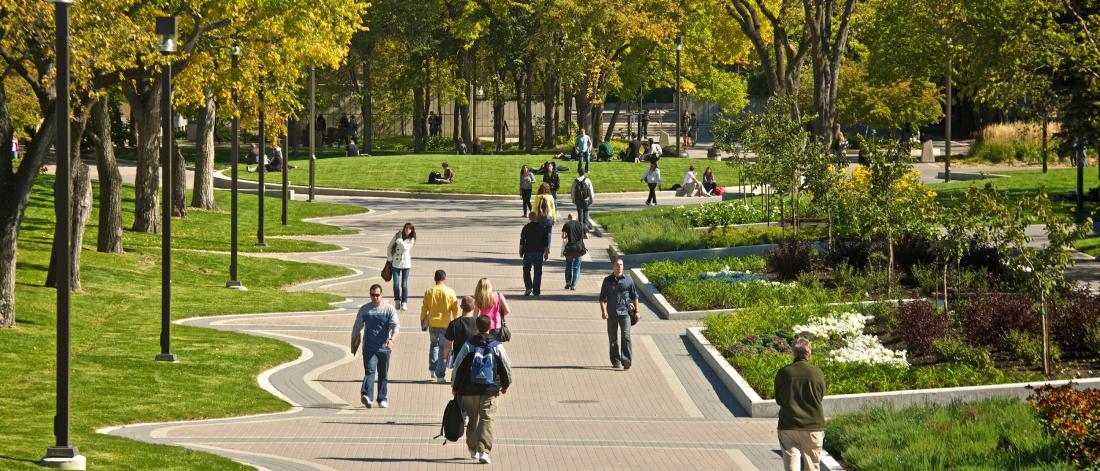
685	122
526	181
460	330
440	307
400	256
484	372
546	210
693	129
533	249
652	178
645	124
619	307
491	304
799	391
573	233
582	194
551	176
376	326
584	149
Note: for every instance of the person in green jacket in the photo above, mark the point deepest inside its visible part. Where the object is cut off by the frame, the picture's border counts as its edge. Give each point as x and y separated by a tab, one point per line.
799	391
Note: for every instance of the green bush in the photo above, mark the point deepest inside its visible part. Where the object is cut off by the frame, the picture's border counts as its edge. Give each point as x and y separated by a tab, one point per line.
998	152
1092	340
929	278
755	235
993	435
726	213
664	272
857	283
885	314
691	295
1029	348
955	350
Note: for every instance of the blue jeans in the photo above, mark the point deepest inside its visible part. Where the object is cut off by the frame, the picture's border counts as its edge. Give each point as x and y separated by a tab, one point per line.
376	362
572	270
401	285
549	223
532	260
436	361
615	325
582	215
586	157
526	195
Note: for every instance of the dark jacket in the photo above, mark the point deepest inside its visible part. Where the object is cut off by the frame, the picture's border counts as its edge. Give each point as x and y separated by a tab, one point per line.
799	391
502	377
553	180
533	238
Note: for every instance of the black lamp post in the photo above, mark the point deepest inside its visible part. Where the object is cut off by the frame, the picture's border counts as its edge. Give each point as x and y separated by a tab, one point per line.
679	47
286	180
63	454
260	167
166	29
234	282
312	127
947	123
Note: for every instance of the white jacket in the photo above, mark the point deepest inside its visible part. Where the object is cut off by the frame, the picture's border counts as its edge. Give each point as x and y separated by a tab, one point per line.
399	251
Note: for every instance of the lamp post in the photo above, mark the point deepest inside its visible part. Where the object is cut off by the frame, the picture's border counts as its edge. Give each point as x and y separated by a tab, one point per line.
234	282
947	124
166	29
286	179
260	167
312	127
63	454
679	47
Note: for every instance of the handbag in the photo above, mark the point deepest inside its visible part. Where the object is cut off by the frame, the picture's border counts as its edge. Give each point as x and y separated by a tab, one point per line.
505	334
574	250
502	307
387	271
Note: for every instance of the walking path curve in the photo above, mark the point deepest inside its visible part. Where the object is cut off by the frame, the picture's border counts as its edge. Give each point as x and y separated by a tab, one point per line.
567	409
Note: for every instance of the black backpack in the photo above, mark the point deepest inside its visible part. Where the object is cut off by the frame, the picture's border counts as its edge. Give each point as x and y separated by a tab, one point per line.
582	193
453	426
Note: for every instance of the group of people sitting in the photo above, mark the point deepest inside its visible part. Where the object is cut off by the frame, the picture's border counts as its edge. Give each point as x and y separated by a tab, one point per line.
693	187
272	163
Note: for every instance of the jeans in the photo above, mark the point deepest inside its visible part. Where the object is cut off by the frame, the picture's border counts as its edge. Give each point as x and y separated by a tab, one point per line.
532	259
572	270
376	362
525	193
401	285
437	363
586	157
582	215
652	194
554	193
479	432
616	324
549	223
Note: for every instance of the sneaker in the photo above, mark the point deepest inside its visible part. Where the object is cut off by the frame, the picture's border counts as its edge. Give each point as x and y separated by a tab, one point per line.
441	380
527	293
383	404
626	366
366	401
473	453
404	306
573	287
616	365
483	457
568	286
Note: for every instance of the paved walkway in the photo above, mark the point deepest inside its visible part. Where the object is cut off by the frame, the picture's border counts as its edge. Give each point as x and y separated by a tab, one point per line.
568	409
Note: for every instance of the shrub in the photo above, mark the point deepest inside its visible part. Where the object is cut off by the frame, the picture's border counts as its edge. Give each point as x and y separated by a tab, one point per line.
929	278
753	235
885	314
859	283
665	272
1029	348
987	317
1092	340
726	213
954	350
920	324
1070	321
793	256
980	256
909	251
1073	419
852	252
716	294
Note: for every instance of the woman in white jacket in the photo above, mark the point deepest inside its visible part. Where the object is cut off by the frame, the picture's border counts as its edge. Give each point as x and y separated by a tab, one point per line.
653	178
399	251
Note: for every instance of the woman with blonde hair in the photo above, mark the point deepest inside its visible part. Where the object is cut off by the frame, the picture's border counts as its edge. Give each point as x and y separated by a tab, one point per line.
491	304
545	208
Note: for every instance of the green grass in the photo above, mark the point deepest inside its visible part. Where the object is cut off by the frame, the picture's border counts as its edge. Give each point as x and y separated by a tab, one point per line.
993	435
115	336
484	174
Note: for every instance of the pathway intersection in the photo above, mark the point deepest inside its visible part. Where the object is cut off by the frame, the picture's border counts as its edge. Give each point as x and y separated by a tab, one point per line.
567	408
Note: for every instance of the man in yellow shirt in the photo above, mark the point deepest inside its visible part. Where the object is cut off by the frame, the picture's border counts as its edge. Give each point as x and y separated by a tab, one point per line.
440	307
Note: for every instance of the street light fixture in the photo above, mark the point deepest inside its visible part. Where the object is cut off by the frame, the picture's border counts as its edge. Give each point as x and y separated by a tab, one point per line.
63	454
947	123
166	29
261	167
312	127
234	282
679	48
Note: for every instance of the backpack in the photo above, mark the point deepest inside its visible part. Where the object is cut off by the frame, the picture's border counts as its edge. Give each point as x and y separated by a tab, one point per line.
483	363
582	193
434	176
453	425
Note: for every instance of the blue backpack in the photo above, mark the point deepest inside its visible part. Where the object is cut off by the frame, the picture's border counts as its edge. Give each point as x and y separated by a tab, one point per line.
483	362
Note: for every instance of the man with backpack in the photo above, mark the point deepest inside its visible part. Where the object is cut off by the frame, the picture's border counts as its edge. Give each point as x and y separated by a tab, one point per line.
582	193
483	373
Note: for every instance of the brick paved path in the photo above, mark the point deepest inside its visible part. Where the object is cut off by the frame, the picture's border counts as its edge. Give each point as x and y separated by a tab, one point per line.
567	409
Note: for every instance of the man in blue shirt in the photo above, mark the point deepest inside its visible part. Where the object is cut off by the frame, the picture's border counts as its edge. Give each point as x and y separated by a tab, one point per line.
584	149
376	325
619	306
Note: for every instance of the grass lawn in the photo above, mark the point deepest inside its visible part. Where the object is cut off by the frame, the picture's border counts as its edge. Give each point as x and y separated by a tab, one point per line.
989	435
484	174
115	336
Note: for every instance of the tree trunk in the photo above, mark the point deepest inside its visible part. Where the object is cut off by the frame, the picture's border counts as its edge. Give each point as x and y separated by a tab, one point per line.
549	93
80	209
144	101
179	182
1046	127
456	133
584	109
499	136
109	238
528	93
368	108
202	196
420	134
614	119
568	97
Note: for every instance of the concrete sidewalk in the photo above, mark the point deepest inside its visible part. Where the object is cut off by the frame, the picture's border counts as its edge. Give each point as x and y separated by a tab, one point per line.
567	409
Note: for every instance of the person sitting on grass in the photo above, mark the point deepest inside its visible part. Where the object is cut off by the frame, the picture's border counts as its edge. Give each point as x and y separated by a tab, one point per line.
446	177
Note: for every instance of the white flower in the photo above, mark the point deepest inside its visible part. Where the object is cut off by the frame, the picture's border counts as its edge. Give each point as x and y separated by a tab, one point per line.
846	329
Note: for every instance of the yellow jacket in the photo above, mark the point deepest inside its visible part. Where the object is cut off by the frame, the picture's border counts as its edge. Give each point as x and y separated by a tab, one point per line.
440	306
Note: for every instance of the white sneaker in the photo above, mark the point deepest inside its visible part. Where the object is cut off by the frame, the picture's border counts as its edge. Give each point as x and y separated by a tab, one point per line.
366	401
383	404
483	457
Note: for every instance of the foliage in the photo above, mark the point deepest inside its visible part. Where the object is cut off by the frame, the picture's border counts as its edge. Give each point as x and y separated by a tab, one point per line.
855	253
996	152
1092	340
754	235
955	350
1072	418
920	324
989	435
929	278
777	343
1029	348
792	257
885	103
714	294
664	272
988	317
1075	322
727	213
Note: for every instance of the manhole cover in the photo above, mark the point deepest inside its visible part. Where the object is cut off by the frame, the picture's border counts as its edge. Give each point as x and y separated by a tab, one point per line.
579	401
